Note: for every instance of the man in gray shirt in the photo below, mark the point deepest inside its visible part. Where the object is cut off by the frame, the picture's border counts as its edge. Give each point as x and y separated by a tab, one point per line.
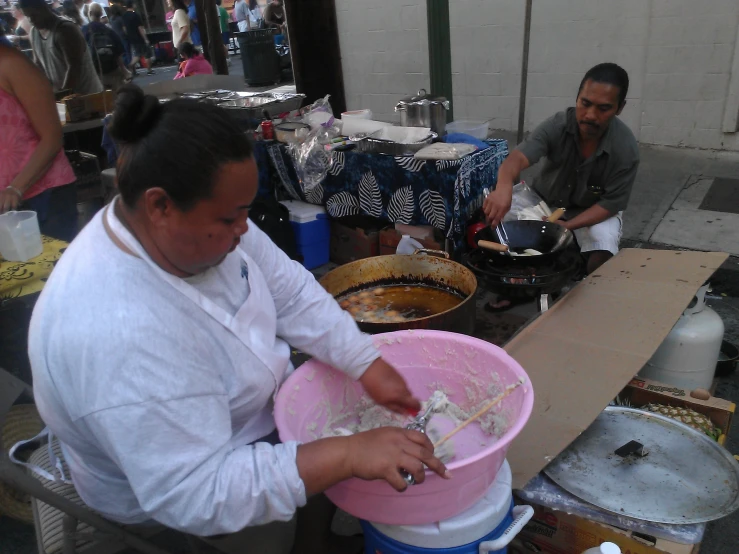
591	159
60	49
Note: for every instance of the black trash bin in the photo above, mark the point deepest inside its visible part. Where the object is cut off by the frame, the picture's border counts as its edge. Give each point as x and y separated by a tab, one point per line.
259	57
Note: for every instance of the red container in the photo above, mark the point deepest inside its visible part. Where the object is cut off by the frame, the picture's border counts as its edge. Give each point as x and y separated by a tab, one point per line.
268	130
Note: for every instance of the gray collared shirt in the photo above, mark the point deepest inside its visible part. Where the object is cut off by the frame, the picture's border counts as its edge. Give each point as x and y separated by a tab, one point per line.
568	181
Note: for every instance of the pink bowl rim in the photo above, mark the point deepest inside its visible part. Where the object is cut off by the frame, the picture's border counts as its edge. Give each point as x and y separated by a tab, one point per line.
502	443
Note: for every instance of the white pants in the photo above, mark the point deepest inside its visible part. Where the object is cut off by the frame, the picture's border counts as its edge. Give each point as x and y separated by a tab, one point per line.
605	235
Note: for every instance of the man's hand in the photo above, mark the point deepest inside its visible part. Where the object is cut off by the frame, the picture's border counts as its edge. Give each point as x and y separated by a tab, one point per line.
560	222
386	387
497	203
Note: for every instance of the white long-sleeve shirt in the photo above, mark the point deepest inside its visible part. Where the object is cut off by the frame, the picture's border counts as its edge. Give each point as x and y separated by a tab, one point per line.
148	393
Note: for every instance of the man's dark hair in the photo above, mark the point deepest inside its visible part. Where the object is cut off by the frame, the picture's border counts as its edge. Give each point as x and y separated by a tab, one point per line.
130	4
610	74
219	2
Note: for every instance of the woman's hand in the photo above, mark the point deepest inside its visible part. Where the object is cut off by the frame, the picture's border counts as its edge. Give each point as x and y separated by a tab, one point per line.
387	388
383	453
10	199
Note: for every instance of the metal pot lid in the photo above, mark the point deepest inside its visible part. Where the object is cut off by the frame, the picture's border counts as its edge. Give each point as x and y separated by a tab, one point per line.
421	99
685	477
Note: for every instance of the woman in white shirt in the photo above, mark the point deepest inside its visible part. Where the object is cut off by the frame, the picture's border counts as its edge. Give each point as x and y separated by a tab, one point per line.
180	24
177	314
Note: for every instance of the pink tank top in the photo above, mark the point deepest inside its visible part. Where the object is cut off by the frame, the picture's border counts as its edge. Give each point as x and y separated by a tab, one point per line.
18	140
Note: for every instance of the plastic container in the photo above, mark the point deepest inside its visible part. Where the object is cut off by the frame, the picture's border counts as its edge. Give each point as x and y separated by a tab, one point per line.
20	237
605	548
488	526
357	114
312	232
315	392
408	245
477	129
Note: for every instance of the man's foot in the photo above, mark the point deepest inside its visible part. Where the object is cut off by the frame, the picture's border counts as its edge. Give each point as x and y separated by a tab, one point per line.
150	71
503	304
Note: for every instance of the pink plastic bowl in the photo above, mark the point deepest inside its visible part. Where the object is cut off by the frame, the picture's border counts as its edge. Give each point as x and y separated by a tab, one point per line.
424	358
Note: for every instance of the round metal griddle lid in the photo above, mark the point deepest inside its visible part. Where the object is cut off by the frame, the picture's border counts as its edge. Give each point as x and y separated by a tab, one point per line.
685	477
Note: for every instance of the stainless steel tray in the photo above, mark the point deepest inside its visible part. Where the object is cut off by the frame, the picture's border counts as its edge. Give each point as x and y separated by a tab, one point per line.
371	145
685	478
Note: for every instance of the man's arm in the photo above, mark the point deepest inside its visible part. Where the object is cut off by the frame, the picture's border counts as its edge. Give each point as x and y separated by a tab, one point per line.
73	48
535	147
614	200
498	202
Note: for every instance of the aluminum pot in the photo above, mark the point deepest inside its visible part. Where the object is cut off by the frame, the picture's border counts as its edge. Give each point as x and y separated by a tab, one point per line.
421	269
423	110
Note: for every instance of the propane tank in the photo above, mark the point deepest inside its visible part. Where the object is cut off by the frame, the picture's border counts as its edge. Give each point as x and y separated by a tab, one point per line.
687	357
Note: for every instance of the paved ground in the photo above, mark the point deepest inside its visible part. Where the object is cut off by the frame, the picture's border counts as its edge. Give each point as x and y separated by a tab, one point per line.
167	73
664	175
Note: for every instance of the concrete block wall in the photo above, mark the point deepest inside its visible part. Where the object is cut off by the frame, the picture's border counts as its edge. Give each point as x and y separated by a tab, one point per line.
682	57
384	52
487	39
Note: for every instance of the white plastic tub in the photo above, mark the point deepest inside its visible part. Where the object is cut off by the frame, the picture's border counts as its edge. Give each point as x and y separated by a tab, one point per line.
20	237
477	129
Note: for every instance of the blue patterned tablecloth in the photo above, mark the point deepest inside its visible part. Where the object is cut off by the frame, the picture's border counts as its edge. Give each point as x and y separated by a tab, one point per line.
400	189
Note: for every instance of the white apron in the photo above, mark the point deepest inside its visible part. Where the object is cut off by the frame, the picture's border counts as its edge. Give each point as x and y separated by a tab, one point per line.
254	324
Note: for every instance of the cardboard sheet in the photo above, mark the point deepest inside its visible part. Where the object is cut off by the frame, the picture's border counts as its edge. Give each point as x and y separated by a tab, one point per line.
585	350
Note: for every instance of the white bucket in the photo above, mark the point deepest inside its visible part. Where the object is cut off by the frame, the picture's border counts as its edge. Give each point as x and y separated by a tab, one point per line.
20	237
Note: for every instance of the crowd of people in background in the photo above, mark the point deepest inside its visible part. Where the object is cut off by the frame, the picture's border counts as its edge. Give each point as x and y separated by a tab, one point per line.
116	39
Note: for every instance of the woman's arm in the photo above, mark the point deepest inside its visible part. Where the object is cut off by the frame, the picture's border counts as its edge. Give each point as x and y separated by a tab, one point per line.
33	90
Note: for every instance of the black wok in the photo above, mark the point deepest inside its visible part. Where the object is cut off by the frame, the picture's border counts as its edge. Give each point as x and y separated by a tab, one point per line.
548	238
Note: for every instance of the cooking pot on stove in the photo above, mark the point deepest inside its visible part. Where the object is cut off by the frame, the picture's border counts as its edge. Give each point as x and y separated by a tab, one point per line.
423	110
417	269
548	238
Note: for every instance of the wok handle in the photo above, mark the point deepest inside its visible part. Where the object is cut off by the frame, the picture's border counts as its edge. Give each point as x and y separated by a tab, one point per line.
556	215
490	245
429	252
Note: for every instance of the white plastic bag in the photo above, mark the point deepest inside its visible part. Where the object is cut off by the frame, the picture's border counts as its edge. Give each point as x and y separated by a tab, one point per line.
311	159
408	245
526	204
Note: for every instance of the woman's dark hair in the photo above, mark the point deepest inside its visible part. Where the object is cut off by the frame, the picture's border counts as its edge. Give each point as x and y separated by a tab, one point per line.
179	5
70	10
252	4
177	146
610	74
187	49
219	2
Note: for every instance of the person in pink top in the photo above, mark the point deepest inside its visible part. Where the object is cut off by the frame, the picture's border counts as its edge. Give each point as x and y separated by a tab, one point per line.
193	63
33	167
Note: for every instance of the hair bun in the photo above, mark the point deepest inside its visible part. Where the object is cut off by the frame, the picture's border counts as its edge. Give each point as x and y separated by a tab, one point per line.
135	114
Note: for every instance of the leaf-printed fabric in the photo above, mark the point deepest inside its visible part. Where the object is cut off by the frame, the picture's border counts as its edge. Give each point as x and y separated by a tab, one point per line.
401	207
409	163
433	208
370	199
443	193
337	163
342	204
